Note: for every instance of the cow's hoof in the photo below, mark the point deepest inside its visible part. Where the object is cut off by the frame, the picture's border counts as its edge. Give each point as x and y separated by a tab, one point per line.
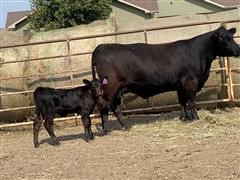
182	118
104	132
124	128
191	119
99	128
186	119
196	117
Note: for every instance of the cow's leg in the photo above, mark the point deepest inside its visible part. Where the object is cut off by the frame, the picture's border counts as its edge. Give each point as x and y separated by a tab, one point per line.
192	105
36	127
190	86
87	127
110	90
117	111
104	110
48	124
183	105
103	107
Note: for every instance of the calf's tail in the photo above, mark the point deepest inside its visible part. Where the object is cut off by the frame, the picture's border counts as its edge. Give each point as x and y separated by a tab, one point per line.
36	101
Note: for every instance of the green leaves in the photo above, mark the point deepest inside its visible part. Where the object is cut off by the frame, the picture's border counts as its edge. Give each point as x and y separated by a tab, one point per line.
55	14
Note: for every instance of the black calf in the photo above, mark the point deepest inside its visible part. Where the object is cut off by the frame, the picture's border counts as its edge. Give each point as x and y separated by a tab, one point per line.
50	102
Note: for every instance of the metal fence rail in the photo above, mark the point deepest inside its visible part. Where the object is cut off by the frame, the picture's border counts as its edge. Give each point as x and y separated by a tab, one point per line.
227	69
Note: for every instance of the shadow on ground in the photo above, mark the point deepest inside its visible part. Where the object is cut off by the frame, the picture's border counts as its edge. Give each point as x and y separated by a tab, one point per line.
114	125
133	120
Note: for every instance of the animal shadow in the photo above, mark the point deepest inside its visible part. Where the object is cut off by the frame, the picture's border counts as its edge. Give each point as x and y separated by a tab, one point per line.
114	125
132	120
68	137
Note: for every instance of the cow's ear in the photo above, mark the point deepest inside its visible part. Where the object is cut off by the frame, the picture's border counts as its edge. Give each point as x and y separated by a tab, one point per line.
218	34
232	31
87	82
221	28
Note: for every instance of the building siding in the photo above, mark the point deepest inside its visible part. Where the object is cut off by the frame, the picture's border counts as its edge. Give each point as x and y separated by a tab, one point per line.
125	13
22	25
183	7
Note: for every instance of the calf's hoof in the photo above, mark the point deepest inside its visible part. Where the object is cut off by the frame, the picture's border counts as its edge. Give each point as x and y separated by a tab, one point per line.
36	145
56	142
87	139
92	137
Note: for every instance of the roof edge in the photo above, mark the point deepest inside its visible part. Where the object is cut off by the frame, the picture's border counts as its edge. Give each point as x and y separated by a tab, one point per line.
12	26
137	7
220	5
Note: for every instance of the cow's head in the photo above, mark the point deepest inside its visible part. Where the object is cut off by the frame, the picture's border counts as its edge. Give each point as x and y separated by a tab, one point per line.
223	39
95	86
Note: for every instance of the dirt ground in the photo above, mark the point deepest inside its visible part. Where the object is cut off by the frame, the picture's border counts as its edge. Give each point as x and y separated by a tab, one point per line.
154	147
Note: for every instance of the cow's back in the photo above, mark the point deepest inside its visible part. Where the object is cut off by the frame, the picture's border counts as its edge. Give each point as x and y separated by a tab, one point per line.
145	63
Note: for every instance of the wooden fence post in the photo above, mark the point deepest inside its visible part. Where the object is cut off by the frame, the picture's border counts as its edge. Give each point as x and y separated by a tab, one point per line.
71	74
229	74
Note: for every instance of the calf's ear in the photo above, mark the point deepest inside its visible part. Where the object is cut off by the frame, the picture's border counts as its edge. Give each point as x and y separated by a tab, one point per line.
232	31
87	82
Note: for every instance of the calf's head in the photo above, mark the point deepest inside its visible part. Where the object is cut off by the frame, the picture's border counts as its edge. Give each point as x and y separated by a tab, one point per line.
224	42
94	85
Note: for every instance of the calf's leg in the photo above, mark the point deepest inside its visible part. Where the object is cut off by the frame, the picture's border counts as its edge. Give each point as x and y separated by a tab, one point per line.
87	127
48	123
36	127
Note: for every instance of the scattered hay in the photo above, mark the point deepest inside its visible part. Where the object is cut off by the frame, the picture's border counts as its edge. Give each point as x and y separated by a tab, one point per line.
215	123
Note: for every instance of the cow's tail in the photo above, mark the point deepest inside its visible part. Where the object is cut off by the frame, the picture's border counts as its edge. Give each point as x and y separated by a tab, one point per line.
93	71
94	61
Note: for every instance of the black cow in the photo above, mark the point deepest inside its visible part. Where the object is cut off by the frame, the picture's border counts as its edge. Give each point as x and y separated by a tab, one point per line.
149	69
50	102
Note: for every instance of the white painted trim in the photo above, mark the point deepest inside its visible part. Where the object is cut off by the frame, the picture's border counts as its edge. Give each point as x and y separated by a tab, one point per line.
12	26
137	7
219	5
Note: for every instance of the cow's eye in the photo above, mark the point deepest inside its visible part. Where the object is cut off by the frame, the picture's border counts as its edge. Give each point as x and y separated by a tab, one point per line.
229	38
220	39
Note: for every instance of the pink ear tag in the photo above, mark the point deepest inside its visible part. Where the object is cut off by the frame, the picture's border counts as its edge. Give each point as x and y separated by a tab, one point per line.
105	81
